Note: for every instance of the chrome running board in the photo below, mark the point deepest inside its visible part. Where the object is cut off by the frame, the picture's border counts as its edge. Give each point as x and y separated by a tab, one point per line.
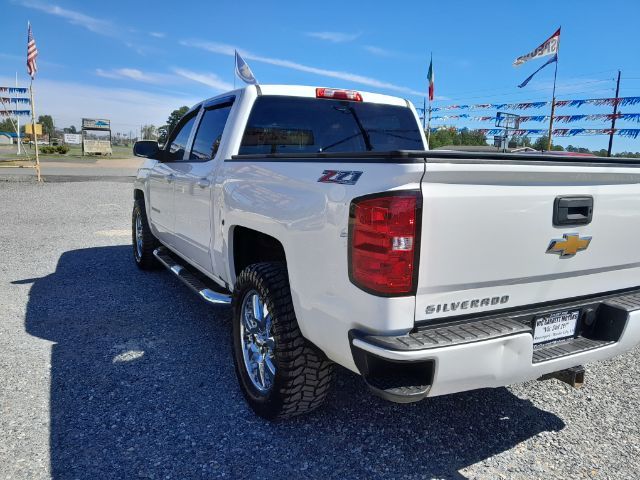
189	279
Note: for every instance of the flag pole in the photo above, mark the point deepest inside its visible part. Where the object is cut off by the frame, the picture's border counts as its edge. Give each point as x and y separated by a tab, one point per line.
35	134
553	107
17	116
429	125
429	95
553	96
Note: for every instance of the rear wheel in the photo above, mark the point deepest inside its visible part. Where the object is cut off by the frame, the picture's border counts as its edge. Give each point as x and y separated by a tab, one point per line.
281	374
144	243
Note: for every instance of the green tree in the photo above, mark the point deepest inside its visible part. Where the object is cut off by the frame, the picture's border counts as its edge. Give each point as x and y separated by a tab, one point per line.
600	153
472	137
71	129
6	125
47	124
541	143
451	136
175	117
627	154
519	142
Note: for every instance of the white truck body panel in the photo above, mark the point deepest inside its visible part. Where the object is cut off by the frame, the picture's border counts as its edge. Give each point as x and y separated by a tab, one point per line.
192	207
486	229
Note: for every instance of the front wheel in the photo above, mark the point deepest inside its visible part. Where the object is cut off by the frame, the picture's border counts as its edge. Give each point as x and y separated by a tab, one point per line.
280	374
144	242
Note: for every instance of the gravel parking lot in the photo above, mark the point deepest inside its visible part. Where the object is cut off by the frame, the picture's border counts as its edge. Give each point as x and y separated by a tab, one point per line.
109	372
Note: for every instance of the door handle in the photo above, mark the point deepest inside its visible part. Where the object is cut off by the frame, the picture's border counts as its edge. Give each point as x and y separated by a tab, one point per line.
572	210
170	177
204	183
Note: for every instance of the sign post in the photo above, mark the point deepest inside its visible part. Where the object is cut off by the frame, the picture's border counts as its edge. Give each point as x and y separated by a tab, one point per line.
506	121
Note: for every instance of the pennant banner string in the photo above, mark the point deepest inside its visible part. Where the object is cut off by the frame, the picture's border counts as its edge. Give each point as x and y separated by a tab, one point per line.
634	117
14	100
558	132
14	90
620	101
8	113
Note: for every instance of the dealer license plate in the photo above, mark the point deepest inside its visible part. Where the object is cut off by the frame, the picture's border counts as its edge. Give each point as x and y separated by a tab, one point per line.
555	326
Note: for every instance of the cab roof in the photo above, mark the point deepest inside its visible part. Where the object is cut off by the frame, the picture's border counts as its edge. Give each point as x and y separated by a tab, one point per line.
310	92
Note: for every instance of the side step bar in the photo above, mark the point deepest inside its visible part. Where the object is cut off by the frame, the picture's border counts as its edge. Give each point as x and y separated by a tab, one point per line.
189	279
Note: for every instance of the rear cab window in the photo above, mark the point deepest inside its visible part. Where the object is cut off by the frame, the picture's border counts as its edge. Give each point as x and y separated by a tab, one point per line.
281	124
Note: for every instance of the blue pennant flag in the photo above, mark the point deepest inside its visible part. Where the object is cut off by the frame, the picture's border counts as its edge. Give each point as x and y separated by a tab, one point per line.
549	62
243	71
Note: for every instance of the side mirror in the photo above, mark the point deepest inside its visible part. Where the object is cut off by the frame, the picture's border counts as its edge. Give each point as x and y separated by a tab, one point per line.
147	149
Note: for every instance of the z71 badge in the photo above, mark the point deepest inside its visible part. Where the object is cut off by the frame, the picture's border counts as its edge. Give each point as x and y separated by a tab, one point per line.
340	176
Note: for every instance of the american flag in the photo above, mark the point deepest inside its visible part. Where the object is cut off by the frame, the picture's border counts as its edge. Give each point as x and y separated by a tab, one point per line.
32	54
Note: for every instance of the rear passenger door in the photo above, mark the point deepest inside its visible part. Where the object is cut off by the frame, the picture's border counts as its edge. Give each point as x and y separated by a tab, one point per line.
193	189
162	179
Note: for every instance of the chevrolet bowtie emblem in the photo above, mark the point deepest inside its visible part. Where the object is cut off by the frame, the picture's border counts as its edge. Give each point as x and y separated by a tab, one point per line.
571	244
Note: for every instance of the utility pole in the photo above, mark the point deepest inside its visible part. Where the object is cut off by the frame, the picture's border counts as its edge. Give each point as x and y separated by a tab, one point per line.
615	114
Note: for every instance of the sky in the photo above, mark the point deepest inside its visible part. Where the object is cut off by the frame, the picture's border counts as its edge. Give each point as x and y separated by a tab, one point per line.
134	62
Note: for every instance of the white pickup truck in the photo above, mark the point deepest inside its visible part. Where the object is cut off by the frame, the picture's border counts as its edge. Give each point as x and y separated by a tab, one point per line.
338	238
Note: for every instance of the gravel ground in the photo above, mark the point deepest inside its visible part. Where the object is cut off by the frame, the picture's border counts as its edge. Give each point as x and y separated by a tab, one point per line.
108	372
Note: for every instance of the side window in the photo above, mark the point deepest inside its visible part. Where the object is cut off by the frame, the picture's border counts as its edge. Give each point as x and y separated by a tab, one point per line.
177	146
209	134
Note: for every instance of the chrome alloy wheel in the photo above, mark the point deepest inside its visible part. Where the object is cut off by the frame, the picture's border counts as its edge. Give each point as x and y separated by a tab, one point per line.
257	341
139	235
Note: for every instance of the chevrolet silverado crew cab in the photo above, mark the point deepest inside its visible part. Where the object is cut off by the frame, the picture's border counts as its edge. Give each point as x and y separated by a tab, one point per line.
338	238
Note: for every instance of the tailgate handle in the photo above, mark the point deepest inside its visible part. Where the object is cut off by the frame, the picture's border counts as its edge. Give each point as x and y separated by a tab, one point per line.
572	210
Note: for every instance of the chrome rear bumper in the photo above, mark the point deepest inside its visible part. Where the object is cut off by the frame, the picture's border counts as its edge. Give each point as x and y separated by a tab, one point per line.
492	351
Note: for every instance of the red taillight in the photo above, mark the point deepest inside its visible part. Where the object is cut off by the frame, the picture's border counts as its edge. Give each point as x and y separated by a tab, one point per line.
383	243
351	95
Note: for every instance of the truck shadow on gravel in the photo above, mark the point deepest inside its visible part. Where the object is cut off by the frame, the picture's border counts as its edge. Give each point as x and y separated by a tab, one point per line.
142	385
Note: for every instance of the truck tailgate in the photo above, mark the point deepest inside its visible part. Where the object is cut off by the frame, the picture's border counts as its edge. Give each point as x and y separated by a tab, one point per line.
487	228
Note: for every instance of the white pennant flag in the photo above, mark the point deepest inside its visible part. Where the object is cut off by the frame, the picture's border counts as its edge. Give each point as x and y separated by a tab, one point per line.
549	47
243	71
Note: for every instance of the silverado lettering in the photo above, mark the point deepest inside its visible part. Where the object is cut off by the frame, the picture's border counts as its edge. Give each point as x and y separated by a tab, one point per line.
466	304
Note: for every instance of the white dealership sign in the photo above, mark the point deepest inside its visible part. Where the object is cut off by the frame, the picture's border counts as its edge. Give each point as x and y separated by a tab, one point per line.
73	138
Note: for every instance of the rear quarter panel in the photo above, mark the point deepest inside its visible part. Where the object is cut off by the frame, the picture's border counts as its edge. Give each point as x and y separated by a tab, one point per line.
284	199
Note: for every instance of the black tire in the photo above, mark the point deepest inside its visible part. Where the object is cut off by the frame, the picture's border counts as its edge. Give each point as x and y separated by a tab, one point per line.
303	373
144	255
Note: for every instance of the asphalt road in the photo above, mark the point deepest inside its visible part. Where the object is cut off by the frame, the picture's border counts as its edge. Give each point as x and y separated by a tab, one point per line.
74	170
109	372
